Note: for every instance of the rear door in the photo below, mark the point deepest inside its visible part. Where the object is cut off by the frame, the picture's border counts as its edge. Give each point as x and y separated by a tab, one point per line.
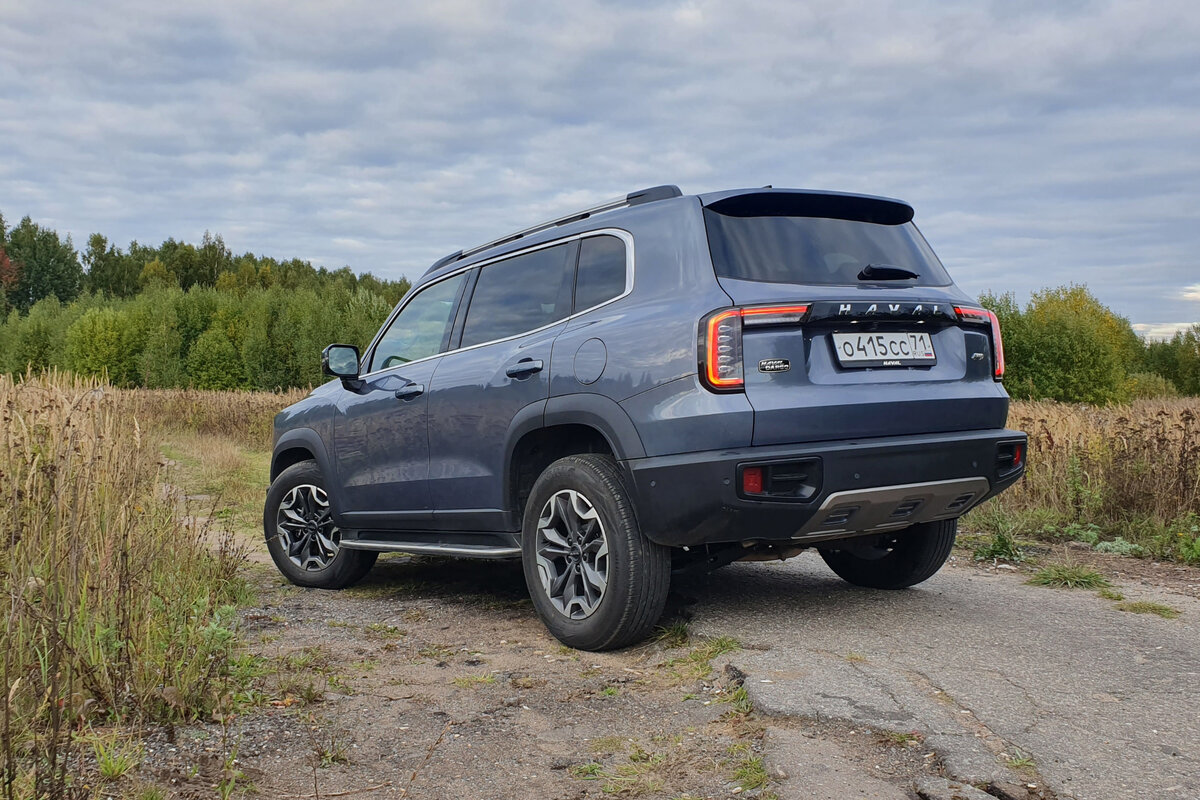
497	378
880	350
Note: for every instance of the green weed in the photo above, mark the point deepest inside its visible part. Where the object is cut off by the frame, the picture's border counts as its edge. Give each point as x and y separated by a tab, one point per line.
1069	576
1143	607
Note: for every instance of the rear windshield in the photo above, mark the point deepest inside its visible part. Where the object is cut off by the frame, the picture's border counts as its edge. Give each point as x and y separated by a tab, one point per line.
780	248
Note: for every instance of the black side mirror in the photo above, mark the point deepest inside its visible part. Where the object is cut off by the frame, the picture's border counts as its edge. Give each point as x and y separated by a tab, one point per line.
340	361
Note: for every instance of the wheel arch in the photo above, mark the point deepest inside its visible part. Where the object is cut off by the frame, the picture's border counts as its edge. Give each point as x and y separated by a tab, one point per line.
296	445
570	425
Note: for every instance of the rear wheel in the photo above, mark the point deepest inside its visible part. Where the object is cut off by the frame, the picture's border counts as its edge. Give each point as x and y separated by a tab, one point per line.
596	582
894	560
301	537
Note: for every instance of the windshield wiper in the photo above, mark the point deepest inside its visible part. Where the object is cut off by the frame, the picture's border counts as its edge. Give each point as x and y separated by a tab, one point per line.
885	272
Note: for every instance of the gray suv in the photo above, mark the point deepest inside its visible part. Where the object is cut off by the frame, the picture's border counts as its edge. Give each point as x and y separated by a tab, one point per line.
657	383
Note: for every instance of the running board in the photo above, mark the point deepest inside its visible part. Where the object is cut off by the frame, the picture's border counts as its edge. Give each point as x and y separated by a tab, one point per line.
458	544
885	508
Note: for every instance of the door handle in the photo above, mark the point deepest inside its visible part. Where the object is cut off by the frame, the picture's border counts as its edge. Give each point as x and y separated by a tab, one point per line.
410	391
523	368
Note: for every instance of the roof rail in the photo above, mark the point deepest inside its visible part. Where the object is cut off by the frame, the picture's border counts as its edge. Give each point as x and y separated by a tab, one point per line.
650	195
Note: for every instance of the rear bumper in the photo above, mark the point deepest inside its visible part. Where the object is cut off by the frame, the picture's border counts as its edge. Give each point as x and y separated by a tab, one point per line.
863	486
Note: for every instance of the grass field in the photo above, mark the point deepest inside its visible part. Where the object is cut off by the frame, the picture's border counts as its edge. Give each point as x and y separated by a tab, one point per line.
121	595
120	601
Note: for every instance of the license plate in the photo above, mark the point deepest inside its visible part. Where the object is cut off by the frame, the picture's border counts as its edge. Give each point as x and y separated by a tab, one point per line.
884	349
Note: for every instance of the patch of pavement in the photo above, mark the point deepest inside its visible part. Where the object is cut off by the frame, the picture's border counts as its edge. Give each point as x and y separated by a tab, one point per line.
1097	702
806	766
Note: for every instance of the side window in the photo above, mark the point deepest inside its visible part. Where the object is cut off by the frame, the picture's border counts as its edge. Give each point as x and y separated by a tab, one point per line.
419	330
601	274
520	294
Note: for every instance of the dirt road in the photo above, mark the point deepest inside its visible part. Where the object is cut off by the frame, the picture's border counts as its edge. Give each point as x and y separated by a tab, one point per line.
434	679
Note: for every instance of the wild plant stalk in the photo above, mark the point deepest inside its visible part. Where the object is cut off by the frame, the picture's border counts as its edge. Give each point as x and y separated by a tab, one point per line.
116	610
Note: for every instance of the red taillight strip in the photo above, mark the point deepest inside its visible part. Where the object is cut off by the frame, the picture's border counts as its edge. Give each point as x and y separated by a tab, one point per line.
982	316
774	315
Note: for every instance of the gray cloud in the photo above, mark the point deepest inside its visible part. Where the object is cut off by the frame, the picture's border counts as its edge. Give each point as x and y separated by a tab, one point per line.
1040	144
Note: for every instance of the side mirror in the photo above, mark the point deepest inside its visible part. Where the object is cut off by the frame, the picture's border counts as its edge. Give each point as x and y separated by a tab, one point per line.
340	361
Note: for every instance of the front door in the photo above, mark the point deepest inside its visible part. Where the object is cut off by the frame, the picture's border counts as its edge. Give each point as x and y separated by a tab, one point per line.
381	435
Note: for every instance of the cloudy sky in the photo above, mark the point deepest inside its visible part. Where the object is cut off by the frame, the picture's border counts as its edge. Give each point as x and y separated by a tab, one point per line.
1041	143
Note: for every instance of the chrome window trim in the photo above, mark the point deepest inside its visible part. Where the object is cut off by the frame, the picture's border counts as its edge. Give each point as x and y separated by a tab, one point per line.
623	235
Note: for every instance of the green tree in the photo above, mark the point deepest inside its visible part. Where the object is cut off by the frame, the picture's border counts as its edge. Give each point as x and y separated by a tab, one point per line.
213	362
1066	345
47	265
155	275
109	271
35	339
101	342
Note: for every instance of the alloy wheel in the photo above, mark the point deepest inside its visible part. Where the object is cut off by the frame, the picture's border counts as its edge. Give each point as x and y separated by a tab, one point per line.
572	554
305	528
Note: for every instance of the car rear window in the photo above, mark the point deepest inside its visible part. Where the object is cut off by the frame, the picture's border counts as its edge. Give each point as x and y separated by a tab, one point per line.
601	274
816	240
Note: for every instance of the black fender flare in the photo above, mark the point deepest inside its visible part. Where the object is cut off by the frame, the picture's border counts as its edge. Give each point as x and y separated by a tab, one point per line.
603	414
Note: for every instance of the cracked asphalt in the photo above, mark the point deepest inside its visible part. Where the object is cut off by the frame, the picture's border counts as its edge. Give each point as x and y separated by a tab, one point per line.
988	669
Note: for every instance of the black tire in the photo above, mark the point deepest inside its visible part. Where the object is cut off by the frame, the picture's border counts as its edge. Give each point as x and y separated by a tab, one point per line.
894	561
637	571
324	567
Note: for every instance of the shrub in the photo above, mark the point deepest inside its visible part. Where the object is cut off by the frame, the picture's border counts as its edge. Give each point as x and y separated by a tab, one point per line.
1149	385
1066	345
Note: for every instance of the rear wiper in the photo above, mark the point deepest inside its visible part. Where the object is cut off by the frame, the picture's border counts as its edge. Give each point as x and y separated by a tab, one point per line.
885	272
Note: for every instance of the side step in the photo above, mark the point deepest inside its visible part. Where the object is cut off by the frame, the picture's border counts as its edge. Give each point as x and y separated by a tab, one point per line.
459	544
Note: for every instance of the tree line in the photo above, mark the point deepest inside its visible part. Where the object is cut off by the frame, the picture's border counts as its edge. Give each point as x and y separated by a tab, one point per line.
1066	345
184	315
177	315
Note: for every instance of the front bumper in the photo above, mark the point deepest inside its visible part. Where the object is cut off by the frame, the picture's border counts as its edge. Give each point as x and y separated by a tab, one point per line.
866	486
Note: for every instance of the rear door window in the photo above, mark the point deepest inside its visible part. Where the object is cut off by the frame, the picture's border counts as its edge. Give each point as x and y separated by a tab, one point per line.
602	271
520	294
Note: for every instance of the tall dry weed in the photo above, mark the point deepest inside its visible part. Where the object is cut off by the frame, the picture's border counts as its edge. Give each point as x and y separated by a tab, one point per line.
1129	470
244	415
115	609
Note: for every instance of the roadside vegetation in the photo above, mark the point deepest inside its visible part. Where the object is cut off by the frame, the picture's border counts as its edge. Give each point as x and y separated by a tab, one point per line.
1123	479
119	611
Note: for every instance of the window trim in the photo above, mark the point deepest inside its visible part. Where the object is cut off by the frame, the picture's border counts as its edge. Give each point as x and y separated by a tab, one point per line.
630	262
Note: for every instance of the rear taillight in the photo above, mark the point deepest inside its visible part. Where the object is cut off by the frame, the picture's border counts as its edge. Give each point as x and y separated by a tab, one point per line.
721	340
981	316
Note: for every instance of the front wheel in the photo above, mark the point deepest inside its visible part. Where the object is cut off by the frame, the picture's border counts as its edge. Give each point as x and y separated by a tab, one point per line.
596	582
893	560
303	541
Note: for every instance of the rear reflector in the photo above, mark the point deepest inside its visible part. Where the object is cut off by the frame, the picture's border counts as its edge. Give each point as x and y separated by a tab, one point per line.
752	480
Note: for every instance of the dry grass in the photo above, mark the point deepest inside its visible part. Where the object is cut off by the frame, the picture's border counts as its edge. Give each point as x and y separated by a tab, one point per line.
115	609
246	416
1095	474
